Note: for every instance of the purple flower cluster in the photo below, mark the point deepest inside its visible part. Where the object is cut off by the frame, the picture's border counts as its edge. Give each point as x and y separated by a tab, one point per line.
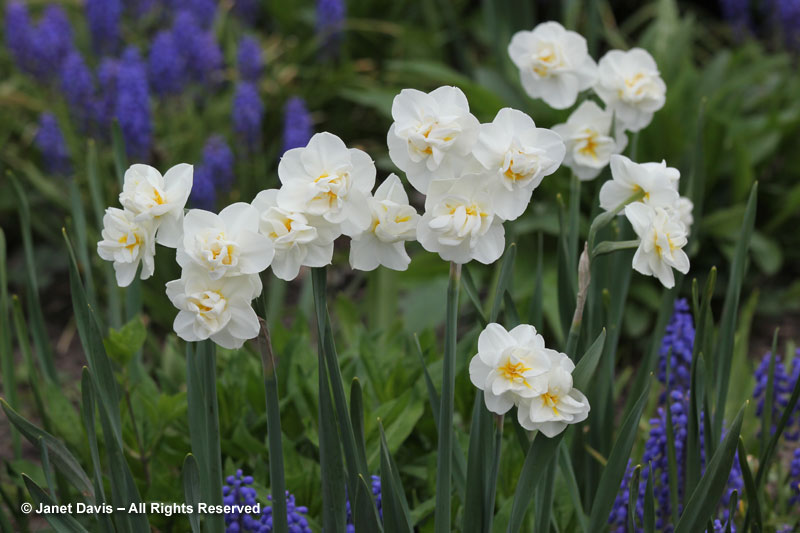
238	491
201	53
376	496
794	478
297	125
132	107
38	49
167	64
330	24
51	143
248	113
77	85
677	343
783	383
788	13
737	13
248	59
214	174
104	23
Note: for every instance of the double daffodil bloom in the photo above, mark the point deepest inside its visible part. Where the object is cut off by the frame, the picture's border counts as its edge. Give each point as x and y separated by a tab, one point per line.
558	405
662	238
655	183
127	242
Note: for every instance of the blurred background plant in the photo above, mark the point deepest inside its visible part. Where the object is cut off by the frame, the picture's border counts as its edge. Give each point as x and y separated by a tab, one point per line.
88	87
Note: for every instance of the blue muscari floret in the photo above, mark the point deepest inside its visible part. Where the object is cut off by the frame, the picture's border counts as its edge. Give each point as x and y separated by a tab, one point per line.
297	126
247	10
794	478
330	23
618	519
788	13
248	112
218	158
132	107
737	13
19	35
201	53
203	10
721	526
50	142
376	496
783	382
238	491
77	85
248	59
39	49
166	65
105	104
678	341
104	18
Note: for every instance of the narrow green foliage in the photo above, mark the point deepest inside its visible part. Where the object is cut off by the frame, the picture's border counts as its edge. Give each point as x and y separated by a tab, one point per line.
357	417
583	374
63	523
544	497
88	407
7	366
649	505
504	280
118	151
633	496
472	295
568	473
753	500
702	503
191	489
617	462
48	472
766	455
535	309
365	514
727	327
766	413
396	515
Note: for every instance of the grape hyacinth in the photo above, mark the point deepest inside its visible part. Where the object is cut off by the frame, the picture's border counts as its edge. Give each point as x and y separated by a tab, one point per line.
238	491
105	104
248	59
104	17
376	496
737	13
51	143
39	49
77	85
132	107
794	478
330	24
201	53
19	34
678	342
297	125
783	382
218	158
203	10
248	111
204	194
788	13
618	519
166	65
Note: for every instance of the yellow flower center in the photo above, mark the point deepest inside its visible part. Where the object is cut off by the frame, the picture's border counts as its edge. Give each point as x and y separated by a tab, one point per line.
514	371
130	245
590	148
551	400
157	196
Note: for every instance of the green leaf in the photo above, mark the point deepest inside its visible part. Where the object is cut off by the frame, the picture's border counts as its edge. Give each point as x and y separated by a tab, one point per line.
191	489
118	151
60	522
7	363
540	452
365	515
649	505
753	503
88	406
444	451
201	387
504	280
614	470
123	343
472	294
568	473
62	459
478	455
357	417
396	516
702	503
584	371
633	496
727	327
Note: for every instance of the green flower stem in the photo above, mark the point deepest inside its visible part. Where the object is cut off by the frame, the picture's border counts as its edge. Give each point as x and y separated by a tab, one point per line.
607	247
445	449
603	219
276	475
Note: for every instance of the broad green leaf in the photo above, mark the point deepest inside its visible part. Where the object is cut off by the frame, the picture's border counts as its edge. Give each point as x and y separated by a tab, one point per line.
123	343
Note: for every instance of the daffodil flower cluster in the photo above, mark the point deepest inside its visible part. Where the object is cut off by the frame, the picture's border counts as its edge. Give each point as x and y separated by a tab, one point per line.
475	176
555	65
660	217
515	368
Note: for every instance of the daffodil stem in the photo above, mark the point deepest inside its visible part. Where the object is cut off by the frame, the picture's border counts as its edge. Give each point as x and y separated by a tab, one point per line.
491	486
445	448
276	475
584	278
607	247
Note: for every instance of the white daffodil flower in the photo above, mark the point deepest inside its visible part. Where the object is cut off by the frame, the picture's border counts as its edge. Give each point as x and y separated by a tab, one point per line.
629	83
431	133
149	195
127	242
328	180
684	208
554	63
216	309
459	221
227	244
662	238
394	221
589	140
510	365
655	181
558	405
298	239
518	155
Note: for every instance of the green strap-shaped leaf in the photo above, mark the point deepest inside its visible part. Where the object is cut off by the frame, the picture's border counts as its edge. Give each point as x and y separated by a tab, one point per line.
583	374
766	456
723	353
61	522
7	363
357	418
649	503
633	497
365	514
568	473
396	515
614	470
57	453
191	490
118	151
88	409
702	503
472	295
504	280
478	455
753	503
